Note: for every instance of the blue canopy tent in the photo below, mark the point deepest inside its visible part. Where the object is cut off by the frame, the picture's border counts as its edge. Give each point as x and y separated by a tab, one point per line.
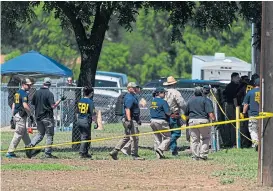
34	64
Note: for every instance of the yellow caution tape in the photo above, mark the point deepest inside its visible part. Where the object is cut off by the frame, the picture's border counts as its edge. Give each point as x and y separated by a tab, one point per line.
184	117
262	115
241	116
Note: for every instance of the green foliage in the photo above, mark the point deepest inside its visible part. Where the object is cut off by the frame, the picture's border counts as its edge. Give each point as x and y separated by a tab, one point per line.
44	34
47	37
114	58
147	53
13	55
76	71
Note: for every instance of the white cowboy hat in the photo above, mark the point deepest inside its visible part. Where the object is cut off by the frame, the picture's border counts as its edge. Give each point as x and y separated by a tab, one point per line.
170	81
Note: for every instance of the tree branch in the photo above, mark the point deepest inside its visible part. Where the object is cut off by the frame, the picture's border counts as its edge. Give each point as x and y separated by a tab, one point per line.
76	23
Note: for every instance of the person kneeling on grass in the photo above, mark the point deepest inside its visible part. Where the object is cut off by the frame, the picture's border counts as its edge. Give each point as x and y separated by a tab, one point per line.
199	110
85	111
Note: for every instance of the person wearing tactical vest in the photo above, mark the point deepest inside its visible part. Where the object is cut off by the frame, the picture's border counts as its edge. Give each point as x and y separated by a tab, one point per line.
251	106
177	105
20	112
160	114
130	122
85	111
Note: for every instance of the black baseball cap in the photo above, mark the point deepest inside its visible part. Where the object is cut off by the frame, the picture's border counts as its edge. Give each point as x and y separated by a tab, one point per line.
160	89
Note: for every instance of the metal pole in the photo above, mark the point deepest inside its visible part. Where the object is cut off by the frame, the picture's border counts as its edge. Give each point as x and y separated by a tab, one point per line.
253	64
238	135
262	130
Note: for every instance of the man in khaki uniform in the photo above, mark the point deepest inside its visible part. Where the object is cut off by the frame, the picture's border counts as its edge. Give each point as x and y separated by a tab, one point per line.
177	106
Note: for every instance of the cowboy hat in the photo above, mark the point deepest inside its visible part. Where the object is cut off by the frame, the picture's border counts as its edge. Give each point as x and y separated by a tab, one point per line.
170	81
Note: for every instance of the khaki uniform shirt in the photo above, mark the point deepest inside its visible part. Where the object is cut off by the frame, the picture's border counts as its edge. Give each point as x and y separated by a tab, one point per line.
175	101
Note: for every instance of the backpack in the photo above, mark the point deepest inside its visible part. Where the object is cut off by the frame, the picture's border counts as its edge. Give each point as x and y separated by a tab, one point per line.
119	109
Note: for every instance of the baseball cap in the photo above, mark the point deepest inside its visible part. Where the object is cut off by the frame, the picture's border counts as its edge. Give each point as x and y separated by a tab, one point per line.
133	85
254	76
26	81
47	80
206	89
257	82
160	89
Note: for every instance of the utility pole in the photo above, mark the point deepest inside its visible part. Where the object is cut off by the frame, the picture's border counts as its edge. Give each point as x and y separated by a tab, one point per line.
253	51
266	73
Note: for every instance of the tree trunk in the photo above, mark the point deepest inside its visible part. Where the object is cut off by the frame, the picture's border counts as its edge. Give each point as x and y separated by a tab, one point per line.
91	51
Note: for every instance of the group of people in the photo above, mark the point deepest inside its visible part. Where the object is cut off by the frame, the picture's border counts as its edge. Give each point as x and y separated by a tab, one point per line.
168	111
43	101
244	93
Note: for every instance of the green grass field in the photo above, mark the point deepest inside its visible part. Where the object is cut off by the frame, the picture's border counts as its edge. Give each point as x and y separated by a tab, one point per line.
236	163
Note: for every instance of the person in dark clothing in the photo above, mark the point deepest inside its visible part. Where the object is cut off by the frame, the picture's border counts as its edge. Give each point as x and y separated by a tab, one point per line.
230	96
242	90
199	110
160	116
85	110
251	106
244	82
13	86
130	122
20	111
253	78
43	100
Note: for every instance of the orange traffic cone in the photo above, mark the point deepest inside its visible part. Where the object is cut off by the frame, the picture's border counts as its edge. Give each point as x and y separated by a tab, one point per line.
99	120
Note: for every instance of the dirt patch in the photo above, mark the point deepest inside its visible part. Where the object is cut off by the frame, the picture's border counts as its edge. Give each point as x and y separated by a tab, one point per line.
120	175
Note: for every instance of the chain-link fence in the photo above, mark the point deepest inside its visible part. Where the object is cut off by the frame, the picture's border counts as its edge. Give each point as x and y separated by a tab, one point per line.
104	100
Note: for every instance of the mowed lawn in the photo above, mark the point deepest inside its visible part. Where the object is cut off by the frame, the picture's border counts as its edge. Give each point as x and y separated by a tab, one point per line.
235	163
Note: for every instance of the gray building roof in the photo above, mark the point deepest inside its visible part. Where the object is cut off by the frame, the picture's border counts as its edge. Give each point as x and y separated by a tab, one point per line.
212	59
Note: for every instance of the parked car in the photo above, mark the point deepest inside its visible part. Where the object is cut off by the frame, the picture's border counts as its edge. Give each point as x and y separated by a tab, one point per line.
105	101
123	77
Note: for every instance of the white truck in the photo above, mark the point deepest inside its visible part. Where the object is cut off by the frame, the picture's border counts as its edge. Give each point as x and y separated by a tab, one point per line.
218	67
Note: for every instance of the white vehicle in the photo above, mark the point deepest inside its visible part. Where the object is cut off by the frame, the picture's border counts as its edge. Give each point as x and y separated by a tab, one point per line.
218	67
106	91
104	81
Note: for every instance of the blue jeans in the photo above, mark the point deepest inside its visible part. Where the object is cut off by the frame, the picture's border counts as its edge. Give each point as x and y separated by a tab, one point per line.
174	123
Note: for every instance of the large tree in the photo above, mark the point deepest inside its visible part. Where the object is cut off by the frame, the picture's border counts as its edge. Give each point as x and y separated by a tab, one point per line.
90	20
